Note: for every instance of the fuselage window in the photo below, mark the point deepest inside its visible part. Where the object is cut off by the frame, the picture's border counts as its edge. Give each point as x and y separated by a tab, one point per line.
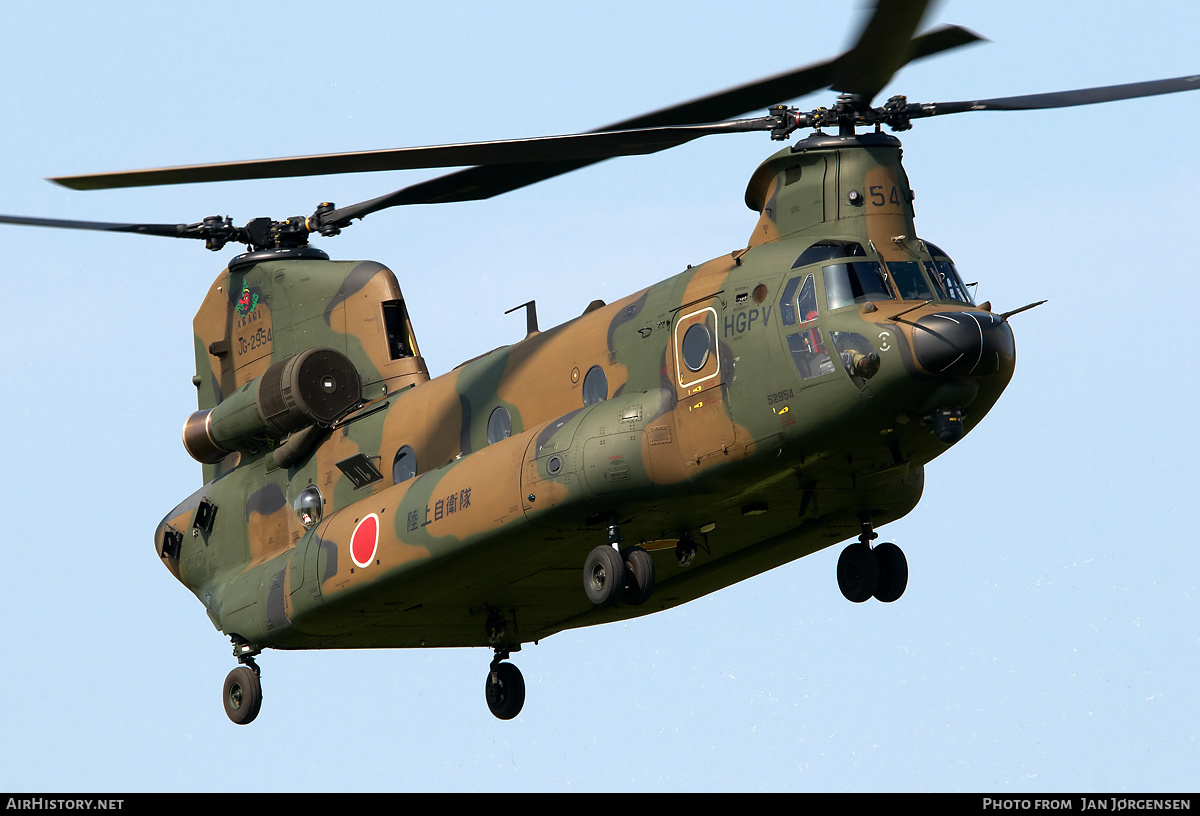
404	467
395	323
855	282
499	425
309	506
696	345
595	386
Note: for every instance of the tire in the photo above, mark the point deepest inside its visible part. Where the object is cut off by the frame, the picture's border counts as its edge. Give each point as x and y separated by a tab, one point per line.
893	572
243	695
858	573
603	575
639	576
506	693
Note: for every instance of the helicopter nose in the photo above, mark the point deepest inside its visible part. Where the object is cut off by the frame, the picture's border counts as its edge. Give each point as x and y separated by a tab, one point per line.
964	343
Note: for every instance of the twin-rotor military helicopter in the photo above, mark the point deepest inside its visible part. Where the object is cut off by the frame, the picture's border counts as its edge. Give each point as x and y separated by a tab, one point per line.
739	415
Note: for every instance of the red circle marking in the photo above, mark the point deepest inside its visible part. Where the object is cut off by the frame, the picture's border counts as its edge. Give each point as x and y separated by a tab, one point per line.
364	540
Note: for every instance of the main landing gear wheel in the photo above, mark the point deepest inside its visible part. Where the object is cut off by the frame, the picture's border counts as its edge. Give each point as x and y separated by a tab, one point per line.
505	690
604	575
893	572
639	576
243	695
858	572
863	571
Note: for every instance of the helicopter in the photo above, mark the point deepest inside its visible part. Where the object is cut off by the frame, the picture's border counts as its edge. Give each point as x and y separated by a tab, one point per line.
352	500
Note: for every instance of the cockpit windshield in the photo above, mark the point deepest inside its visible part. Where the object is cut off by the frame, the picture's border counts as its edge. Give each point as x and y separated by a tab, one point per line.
909	282
854	282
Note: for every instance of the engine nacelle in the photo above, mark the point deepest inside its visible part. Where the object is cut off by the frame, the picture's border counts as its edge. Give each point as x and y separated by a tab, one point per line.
315	387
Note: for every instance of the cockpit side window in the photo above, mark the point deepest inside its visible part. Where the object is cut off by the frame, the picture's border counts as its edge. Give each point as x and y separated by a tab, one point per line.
787	302
809	354
806	303
800	307
945	277
798	304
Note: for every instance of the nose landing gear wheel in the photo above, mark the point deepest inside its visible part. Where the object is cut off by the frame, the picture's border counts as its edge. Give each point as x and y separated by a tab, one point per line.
505	690
243	695
603	575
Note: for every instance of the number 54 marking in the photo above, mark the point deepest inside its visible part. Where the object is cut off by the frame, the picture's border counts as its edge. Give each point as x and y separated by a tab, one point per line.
878	199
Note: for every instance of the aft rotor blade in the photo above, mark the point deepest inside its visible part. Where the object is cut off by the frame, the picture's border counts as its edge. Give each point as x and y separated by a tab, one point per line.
593	146
165	230
1068	99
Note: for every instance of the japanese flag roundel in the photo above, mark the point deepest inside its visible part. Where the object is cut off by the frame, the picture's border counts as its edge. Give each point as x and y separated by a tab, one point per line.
365	540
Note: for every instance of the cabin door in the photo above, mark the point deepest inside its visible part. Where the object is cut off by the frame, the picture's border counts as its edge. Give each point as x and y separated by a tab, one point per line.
701	368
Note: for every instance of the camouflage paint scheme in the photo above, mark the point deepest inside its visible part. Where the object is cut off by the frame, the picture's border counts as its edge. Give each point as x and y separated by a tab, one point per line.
755	462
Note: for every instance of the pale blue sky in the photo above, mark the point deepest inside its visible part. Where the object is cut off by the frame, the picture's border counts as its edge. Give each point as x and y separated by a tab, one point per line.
1047	640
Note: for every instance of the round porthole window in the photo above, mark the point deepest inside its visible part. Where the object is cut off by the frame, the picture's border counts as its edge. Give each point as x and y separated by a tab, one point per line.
696	344
309	506
595	386
499	425
404	467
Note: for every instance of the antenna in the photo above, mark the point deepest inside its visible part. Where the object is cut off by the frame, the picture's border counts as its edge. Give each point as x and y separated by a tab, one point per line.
531	326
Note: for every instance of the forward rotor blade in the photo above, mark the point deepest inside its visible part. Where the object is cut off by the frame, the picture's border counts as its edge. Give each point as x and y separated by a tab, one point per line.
481	182
1068	99
723	105
884	47
593	146
165	230
511	164
773	90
